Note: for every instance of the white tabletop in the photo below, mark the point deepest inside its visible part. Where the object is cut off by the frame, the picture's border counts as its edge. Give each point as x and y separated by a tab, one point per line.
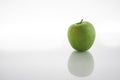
99	63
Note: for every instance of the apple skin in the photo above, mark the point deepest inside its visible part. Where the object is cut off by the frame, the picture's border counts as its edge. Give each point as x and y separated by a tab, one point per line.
81	35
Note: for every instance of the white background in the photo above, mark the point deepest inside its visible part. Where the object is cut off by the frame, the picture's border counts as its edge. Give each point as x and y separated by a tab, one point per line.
34	44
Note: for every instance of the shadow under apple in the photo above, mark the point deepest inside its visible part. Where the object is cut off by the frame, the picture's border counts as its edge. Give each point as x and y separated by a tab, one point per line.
80	64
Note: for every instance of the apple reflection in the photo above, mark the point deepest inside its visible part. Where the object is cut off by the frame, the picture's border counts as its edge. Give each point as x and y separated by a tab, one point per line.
80	64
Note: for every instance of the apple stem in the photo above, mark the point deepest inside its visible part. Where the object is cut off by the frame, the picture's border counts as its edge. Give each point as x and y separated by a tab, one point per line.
81	21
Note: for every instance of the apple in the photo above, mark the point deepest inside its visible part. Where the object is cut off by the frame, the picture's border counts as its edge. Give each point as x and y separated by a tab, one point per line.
81	35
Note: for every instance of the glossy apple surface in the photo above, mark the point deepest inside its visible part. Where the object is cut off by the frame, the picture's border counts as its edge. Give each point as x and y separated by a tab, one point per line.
81	35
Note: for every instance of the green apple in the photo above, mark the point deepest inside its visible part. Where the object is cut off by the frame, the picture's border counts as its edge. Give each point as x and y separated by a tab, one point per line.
81	35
